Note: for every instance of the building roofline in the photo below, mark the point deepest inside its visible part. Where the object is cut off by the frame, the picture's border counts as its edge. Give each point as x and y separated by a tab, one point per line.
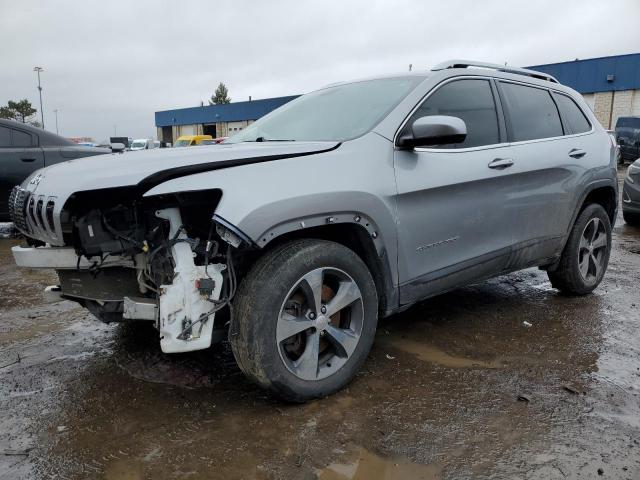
566	62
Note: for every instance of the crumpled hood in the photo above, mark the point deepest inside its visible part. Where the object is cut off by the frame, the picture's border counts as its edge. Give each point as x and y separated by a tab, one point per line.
151	167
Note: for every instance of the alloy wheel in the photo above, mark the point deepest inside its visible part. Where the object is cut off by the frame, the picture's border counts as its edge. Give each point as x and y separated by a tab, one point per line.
592	250
320	323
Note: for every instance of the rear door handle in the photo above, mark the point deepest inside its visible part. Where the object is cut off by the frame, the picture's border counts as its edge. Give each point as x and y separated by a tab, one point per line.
501	163
577	153
28	159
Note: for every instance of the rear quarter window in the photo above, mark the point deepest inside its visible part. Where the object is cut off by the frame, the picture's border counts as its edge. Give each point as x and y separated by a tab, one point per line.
531	112
572	114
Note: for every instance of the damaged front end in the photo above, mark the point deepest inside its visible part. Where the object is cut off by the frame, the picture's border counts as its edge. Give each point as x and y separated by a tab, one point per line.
128	258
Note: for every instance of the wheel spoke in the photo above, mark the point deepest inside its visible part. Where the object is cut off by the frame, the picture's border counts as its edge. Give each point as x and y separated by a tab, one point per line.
307	365
344	341
584	243
596	265
347	293
584	266
289	325
311	285
596	226
600	240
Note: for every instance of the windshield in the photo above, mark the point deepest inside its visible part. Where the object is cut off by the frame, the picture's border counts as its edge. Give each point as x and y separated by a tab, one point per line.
335	113
137	145
182	143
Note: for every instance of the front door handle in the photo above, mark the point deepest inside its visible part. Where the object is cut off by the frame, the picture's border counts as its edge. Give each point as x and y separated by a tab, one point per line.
28	159
501	163
577	153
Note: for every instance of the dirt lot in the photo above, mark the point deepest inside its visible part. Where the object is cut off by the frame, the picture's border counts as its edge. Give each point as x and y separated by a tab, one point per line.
458	387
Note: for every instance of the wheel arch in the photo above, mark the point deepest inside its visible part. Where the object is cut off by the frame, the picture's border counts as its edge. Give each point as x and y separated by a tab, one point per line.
601	192
353	230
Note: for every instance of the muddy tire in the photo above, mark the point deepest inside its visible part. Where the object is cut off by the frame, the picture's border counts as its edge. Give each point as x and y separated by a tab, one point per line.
305	319
632	219
586	254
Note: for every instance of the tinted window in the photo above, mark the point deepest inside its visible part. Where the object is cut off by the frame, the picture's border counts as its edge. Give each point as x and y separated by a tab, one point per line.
470	100
21	139
5	137
633	122
531	111
572	114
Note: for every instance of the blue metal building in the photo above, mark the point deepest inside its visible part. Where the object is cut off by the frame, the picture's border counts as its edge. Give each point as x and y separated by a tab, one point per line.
215	120
610	85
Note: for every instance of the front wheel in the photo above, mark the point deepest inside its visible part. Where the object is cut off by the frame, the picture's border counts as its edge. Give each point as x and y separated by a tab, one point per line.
586	254
305	319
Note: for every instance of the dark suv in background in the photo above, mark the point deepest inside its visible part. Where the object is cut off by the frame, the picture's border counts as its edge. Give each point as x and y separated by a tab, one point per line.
24	149
628	137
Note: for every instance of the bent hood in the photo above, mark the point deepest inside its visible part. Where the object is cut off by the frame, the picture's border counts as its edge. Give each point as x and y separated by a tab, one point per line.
148	168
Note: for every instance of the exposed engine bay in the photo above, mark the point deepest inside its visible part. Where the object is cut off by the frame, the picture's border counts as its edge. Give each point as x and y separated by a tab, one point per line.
145	262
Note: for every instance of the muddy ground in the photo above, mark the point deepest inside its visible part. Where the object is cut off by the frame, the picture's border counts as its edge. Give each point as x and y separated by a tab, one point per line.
457	387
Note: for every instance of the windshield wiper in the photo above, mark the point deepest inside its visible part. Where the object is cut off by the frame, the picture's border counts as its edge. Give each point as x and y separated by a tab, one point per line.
263	139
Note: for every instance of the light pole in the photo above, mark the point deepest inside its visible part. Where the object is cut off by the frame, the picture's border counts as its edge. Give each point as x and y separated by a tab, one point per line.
56	112
38	70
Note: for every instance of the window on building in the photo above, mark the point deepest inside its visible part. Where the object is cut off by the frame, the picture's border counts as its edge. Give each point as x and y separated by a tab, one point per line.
572	114
470	100
531	112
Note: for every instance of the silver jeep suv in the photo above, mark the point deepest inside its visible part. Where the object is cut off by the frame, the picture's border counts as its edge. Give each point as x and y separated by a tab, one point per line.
345	205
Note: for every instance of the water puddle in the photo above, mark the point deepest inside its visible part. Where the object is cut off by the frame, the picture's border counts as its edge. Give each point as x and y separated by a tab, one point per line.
432	354
364	465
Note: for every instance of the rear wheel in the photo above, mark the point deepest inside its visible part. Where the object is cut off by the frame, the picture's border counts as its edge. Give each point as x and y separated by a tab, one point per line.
586	254
305	319
632	219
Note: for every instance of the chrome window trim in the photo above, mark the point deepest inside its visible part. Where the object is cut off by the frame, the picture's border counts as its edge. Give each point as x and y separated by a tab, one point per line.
493	145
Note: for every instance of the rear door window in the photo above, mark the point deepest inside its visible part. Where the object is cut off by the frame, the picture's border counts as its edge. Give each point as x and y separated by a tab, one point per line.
472	101
572	114
5	137
21	139
531	112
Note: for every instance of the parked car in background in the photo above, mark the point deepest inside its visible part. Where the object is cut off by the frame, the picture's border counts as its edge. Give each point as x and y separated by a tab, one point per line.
628	137
142	144
24	149
631	195
191	140
349	203
214	141
156	144
126	141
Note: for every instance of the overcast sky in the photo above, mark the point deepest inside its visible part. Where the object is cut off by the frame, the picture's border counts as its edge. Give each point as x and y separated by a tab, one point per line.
117	62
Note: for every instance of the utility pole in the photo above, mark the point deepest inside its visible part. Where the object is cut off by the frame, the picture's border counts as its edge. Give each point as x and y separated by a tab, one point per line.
38	70
56	112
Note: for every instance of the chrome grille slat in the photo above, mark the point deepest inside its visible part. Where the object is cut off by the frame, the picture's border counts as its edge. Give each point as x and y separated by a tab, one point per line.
35	215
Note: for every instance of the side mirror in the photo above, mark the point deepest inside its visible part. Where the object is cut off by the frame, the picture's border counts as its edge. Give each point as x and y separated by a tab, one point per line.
434	130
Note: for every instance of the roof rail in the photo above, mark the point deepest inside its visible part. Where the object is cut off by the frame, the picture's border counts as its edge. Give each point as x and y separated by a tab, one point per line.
494	66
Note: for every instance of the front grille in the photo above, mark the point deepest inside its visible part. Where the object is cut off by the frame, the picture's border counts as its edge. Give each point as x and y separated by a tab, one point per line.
17	208
34	215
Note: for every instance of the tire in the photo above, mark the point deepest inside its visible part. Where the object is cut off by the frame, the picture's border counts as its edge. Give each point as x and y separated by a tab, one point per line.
585	257
632	219
276	298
